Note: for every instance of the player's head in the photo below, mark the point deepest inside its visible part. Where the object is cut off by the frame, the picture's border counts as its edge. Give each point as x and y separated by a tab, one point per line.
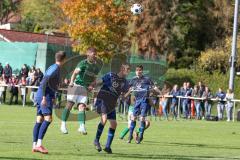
60	57
125	69
91	54
139	70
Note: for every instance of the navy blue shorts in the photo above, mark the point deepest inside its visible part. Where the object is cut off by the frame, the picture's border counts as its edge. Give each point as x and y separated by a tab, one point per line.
103	109
44	110
141	108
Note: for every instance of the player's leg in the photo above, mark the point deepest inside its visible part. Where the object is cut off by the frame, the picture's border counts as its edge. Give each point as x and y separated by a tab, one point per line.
136	111
36	128
46	111
111	131
82	118
126	130
99	132
136	133
144	109
65	115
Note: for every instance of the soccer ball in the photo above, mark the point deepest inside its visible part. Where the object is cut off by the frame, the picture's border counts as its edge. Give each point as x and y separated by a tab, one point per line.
136	9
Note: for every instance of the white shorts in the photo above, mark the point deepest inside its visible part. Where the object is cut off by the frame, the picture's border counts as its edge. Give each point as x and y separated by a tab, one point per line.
79	96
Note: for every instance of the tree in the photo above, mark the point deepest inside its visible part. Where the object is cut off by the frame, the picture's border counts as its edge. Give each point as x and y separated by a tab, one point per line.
6	8
96	23
40	16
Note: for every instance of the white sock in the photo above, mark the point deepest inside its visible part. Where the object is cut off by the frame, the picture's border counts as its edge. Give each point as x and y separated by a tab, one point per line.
34	144
39	142
64	124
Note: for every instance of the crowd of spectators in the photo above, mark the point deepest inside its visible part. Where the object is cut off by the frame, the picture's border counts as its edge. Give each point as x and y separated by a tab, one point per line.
26	77
165	106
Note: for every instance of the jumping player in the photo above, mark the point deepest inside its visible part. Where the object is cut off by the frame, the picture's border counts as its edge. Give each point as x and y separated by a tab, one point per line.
83	78
113	85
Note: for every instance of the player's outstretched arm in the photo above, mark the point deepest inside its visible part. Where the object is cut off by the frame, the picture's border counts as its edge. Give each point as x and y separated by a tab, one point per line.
74	75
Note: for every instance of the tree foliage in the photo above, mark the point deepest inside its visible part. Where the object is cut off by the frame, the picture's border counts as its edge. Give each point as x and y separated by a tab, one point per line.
40	16
7	7
96	23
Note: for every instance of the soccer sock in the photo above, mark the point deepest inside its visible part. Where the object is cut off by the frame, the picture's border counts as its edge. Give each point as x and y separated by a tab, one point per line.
99	131
42	131
110	137
81	118
65	114
35	132
124	132
141	130
131	129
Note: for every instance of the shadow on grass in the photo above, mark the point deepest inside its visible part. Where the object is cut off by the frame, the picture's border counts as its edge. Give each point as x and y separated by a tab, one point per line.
18	158
148	156
191	145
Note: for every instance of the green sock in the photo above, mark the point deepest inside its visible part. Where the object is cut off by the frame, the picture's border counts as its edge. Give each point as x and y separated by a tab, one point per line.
81	117
65	114
124	132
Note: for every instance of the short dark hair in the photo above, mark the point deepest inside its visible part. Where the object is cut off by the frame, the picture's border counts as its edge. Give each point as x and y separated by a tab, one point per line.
91	49
140	66
60	56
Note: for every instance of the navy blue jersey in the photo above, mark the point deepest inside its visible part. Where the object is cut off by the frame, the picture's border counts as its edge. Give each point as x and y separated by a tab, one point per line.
143	84
221	96
114	84
49	84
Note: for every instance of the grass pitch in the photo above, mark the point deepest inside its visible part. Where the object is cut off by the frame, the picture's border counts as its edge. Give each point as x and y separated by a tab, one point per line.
184	139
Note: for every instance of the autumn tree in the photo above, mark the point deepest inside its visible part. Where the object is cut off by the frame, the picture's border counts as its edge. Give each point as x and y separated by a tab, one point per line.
97	23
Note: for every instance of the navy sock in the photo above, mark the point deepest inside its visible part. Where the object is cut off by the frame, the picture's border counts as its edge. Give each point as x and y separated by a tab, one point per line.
99	131
36	131
43	129
110	137
131	129
141	130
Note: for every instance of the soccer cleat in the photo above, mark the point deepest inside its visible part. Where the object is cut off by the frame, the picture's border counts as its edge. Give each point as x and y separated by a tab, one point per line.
82	131
97	146
108	150
64	130
34	150
41	149
129	139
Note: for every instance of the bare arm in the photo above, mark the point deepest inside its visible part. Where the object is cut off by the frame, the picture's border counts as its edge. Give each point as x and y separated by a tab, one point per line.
74	75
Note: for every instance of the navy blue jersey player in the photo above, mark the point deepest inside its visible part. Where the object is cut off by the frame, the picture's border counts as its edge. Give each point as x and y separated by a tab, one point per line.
141	85
113	85
44	99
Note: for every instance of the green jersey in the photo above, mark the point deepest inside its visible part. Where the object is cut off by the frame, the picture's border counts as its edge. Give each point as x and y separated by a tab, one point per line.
88	72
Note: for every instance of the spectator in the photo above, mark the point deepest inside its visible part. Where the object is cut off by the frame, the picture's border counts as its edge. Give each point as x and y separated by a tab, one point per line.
34	82
164	101
39	74
31	74
189	93
175	92
201	88
207	95
1	70
13	90
23	88
220	96
2	89
196	94
229	106
24	71
186	92
7	72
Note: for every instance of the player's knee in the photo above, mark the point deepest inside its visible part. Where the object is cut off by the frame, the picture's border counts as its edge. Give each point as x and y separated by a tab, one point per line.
147	124
81	107
113	124
69	105
142	119
39	119
48	118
